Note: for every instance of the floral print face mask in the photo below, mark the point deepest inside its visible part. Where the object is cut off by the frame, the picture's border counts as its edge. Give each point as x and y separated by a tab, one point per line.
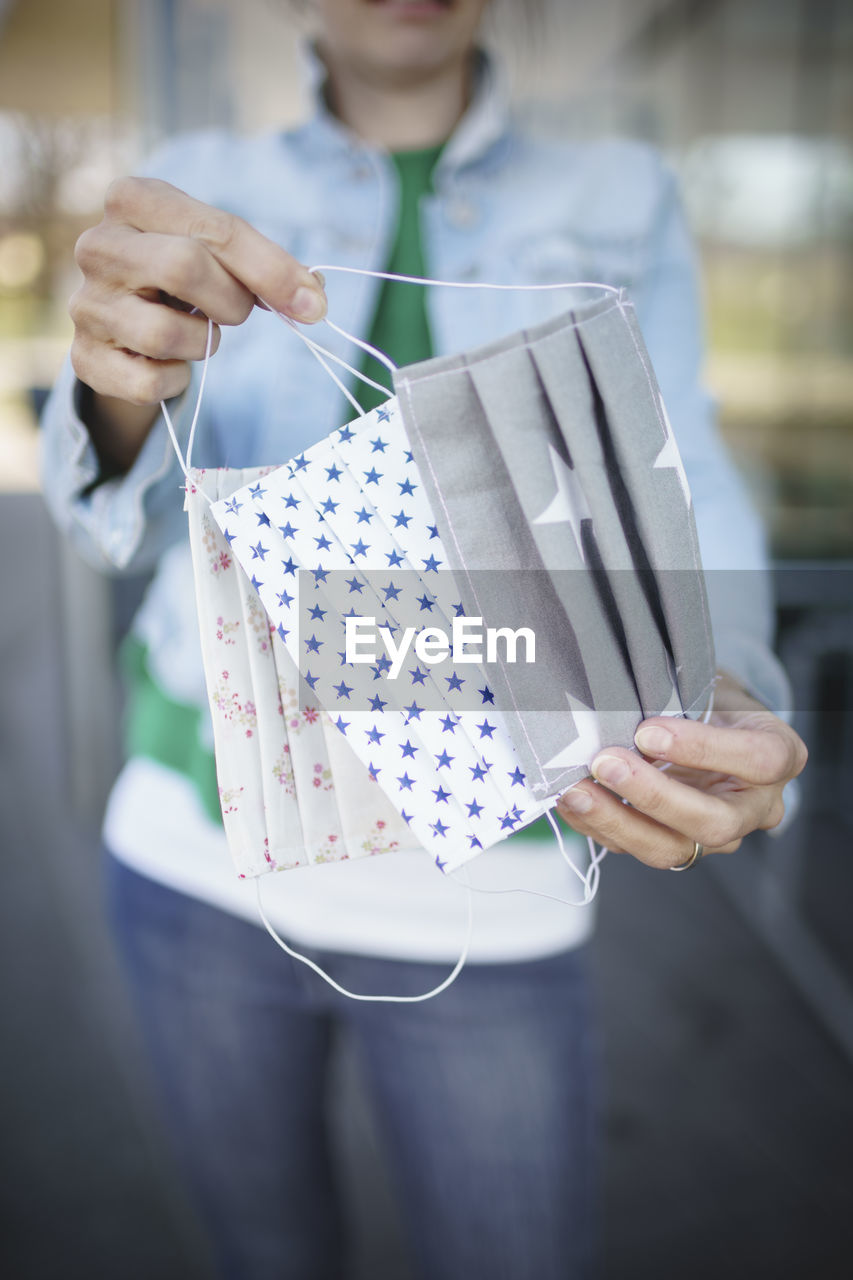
291	789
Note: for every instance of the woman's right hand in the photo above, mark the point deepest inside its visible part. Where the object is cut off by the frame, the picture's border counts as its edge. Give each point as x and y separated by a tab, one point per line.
156	255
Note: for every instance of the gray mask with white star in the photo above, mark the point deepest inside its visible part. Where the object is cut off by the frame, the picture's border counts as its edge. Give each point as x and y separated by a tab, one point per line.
562	502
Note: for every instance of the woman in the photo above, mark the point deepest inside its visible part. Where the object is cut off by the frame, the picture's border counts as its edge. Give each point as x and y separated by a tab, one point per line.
486	1095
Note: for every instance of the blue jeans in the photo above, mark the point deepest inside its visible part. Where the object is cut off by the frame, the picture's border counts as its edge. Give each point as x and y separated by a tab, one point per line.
484	1096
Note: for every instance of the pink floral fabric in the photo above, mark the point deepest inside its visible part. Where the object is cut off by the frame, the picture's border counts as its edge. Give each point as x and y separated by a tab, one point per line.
291	788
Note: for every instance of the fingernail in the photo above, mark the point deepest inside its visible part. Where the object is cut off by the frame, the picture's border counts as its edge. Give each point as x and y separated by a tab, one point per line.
576	801
308	305
610	769
653	741
319	276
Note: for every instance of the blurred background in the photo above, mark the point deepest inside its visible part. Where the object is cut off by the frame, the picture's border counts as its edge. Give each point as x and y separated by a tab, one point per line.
727	996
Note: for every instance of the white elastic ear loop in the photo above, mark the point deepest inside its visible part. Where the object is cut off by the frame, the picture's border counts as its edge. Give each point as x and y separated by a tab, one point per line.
590	880
376	352
323	354
185	464
378	355
316	350
363	377
354	995
468	284
422	280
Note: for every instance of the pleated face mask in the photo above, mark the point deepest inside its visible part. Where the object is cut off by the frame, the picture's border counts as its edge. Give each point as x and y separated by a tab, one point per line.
421	630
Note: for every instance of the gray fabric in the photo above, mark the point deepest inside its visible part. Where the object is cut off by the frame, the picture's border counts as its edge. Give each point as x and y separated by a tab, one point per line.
563	507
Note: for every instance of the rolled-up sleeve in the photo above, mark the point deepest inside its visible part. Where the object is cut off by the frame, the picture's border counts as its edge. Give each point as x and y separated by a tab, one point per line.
122	524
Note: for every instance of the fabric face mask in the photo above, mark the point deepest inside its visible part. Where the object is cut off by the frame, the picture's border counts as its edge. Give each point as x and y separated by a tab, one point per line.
533	485
529	486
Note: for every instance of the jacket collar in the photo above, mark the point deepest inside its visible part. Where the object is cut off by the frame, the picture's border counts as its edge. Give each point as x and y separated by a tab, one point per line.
483	127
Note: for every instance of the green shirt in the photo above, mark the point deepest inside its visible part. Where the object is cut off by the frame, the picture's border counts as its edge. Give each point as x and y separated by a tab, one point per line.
400	327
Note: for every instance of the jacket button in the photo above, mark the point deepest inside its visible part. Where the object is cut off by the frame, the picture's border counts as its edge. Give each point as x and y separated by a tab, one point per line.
462	213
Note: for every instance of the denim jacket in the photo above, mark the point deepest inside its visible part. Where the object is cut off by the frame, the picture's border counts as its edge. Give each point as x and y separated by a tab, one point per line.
507	207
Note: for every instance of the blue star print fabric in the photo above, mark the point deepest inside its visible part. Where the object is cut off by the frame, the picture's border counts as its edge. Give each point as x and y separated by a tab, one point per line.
346	531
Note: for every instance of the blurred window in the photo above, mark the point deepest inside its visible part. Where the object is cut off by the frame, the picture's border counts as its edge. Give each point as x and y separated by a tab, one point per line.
751	99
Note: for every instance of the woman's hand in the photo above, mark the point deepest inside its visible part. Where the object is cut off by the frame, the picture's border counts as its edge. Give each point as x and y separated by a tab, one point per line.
726	779
156	256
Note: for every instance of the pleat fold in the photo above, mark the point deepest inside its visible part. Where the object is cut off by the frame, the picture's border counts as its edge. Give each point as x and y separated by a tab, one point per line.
228	676
646	455
585	665
557	492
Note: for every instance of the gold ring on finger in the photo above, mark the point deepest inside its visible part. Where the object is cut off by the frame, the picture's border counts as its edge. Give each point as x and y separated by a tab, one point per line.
696	855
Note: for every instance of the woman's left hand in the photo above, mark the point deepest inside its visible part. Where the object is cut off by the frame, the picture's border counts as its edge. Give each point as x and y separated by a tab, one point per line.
726	779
